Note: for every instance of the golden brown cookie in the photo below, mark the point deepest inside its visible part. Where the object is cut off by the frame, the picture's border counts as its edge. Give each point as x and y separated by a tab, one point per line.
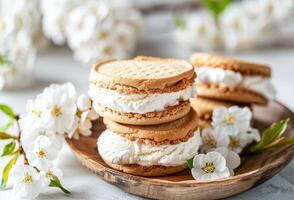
169	114
155	170
173	132
142	73
237	95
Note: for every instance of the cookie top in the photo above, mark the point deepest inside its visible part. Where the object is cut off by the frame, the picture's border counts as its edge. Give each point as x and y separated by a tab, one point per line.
243	67
167	133
142	72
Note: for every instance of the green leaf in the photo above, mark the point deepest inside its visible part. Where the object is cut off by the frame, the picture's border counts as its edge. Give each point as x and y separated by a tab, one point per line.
216	7
6	126
55	182
6	170
190	163
279	143
7	110
179	22
271	134
6	136
8	149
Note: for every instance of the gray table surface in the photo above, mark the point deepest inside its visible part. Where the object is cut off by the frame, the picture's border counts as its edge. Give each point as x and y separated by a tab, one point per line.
57	66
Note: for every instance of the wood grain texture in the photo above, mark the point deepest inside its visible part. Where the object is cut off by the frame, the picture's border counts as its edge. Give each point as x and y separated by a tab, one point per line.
254	169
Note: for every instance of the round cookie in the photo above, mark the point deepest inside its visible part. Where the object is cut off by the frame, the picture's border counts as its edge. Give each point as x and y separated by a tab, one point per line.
167	133
149	171
169	114
251	80
142	91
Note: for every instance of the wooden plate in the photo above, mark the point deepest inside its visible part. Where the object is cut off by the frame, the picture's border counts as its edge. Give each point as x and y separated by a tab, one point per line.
254	170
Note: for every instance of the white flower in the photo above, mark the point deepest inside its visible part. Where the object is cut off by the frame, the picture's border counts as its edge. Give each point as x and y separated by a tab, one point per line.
83	124
31	134
210	166
34	112
203	31
125	37
48	174
42	152
83	102
242	139
26	181
273	11
55	15
232	158
231	120
213	138
61	106
236	26
82	23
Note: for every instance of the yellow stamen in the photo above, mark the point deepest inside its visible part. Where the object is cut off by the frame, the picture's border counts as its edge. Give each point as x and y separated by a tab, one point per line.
49	174
108	50
41	153
209	141
56	111
234	142
208	168
27	179
102	35
230	119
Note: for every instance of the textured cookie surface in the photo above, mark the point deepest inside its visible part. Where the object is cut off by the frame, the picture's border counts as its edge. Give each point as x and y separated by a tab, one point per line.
167	133
143	72
236	95
169	114
155	170
243	67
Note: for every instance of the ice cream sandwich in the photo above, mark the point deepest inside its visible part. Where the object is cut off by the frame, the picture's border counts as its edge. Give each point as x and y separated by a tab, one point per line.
232	80
142	91
154	150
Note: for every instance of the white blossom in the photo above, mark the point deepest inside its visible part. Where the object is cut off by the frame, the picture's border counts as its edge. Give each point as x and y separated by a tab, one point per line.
96	30
213	138
42	152
27	182
55	14
210	166
231	120
237	26
48	174
201	32
61	108
242	139
232	158
83	102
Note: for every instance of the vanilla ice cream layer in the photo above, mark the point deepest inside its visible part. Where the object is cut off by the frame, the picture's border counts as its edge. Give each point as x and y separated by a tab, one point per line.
229	78
139	103
116	149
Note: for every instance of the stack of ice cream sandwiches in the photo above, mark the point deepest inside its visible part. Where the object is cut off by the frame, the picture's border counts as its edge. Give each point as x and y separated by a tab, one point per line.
151	128
223	81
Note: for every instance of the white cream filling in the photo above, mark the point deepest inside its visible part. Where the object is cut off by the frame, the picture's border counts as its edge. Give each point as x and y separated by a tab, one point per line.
230	78
139	103
116	149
